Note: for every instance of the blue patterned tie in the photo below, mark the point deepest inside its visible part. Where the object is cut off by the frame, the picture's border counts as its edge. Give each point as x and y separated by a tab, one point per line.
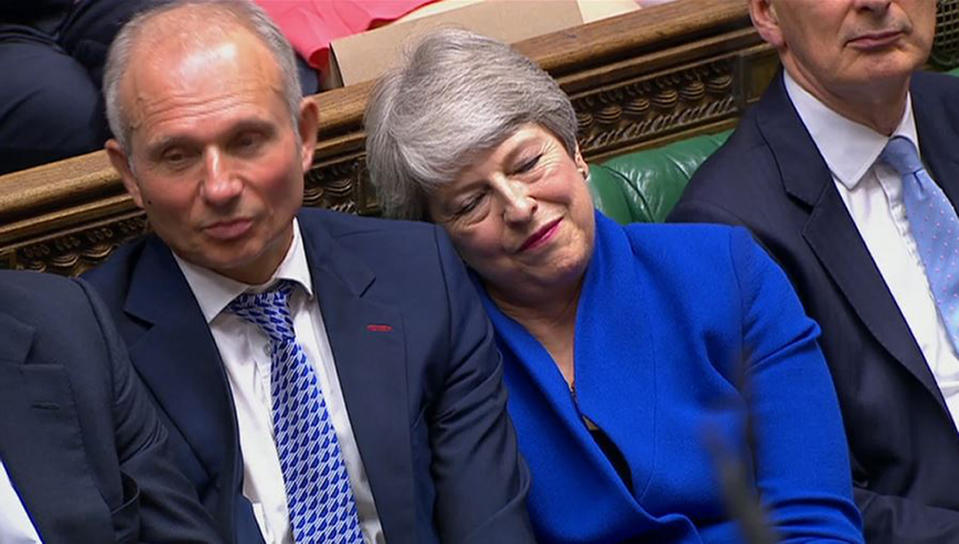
934	226
318	490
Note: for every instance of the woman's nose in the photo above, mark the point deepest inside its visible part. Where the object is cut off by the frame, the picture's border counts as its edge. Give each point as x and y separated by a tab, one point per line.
519	206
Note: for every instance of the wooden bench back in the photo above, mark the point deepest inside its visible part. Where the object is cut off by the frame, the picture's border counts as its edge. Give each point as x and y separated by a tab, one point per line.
637	80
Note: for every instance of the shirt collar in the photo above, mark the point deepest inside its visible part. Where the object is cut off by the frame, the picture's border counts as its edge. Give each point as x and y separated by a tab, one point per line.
213	291
848	147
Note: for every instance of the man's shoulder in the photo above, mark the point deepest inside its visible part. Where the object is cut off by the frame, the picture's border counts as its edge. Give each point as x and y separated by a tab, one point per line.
372	237
746	158
728	161
112	277
60	313
33	292
744	165
934	83
678	243
34	284
935	98
748	172
339	224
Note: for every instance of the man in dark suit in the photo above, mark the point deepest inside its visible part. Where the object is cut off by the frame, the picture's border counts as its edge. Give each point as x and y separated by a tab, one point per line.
83	456
810	171
240	302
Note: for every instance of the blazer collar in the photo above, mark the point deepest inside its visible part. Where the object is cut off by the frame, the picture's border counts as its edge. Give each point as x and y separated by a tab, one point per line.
803	171
371	365
177	359
329	259
802	168
832	234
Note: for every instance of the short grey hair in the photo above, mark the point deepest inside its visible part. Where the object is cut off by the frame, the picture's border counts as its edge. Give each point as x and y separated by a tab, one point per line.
457	94
213	17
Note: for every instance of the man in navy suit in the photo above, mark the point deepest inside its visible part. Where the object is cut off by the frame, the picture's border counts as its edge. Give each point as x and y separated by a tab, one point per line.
240	302
805	171
83	456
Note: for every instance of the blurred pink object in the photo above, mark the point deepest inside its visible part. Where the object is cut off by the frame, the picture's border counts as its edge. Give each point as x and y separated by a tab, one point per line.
311	25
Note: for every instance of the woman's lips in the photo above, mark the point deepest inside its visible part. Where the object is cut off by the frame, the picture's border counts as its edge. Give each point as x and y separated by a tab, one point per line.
541	236
876	40
228	230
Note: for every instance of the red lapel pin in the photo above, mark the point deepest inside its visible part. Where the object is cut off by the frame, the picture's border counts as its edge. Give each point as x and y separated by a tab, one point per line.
376	327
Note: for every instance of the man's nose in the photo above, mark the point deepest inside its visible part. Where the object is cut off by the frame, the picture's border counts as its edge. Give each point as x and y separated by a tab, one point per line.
219	186
878	6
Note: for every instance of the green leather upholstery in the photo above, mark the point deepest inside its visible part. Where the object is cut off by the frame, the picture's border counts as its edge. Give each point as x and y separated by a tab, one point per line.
645	185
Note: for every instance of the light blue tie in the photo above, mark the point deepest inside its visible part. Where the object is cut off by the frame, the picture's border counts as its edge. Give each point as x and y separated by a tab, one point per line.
318	490
934	226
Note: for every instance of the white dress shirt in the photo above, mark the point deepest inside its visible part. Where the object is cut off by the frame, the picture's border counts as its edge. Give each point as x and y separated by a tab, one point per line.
872	193
15	524
245	352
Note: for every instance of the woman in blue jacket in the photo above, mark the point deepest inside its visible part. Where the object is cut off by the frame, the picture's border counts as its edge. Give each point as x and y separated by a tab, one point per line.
659	376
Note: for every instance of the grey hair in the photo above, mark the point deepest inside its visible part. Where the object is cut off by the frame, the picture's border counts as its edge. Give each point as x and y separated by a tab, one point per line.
457	94
213	17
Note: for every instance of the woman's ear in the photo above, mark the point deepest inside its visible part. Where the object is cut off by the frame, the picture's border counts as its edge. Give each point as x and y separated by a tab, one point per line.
581	165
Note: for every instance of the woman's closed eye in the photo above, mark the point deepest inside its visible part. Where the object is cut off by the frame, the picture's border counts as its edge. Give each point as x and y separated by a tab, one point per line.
528	164
470	204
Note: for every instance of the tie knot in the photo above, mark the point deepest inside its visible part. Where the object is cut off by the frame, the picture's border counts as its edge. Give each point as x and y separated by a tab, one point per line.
268	310
900	154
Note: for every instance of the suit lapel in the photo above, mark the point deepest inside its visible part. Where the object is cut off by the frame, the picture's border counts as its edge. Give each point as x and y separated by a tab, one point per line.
832	235
371	365
177	359
41	445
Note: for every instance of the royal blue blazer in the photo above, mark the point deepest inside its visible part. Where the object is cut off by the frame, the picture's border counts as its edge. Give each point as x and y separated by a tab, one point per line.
691	348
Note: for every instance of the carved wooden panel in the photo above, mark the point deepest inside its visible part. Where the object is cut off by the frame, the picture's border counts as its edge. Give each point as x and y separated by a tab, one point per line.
333	186
73	253
634	80
651	106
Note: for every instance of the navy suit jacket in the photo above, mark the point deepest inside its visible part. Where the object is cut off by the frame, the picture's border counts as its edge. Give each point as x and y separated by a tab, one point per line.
79	437
771	178
424	393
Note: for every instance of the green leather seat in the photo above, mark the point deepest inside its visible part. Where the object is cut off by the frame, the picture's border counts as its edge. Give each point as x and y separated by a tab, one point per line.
645	185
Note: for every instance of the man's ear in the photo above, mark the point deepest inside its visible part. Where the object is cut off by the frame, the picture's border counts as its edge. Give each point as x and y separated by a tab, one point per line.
308	124
763	15
121	163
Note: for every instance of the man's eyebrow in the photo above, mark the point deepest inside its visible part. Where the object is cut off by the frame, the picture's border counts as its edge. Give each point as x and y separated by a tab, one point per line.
252	125
244	125
160	144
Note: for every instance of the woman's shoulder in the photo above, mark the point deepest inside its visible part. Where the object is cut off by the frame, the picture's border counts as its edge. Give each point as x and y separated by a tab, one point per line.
687	239
698	253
